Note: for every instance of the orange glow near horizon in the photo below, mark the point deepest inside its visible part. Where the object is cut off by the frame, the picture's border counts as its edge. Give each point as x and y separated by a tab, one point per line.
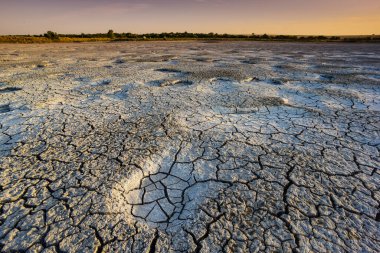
296	17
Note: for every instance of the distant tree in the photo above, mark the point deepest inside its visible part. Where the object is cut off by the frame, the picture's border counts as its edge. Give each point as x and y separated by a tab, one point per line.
335	38
110	34
51	35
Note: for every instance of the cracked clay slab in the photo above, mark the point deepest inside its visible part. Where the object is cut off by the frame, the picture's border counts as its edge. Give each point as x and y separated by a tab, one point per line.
190	147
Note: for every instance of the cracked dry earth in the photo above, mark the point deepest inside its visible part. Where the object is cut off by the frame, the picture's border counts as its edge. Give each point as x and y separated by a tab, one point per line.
190	147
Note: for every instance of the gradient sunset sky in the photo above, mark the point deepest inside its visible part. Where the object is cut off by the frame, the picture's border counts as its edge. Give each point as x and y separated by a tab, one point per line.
303	17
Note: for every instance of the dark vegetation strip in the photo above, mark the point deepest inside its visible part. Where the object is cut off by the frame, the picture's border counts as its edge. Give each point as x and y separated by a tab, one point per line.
111	36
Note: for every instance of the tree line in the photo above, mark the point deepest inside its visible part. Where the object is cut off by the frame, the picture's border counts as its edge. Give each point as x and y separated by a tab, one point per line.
51	36
185	35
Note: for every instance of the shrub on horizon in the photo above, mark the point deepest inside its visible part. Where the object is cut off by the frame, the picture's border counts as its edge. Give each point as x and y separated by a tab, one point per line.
51	35
110	34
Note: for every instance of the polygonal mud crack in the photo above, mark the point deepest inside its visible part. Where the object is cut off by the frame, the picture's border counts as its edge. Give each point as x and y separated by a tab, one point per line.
166	196
243	166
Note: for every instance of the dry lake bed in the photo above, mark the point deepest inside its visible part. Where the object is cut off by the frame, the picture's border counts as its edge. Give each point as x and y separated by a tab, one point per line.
190	147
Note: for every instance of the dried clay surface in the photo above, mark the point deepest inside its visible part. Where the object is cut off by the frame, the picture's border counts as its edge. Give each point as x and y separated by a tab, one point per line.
190	147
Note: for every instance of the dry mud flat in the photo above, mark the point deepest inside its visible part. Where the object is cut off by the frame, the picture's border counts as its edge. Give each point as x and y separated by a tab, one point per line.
190	147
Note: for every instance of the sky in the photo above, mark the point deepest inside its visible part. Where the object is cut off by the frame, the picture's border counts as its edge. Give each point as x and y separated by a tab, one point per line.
297	17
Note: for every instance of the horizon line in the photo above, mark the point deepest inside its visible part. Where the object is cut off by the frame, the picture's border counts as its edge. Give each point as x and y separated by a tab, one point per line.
241	34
